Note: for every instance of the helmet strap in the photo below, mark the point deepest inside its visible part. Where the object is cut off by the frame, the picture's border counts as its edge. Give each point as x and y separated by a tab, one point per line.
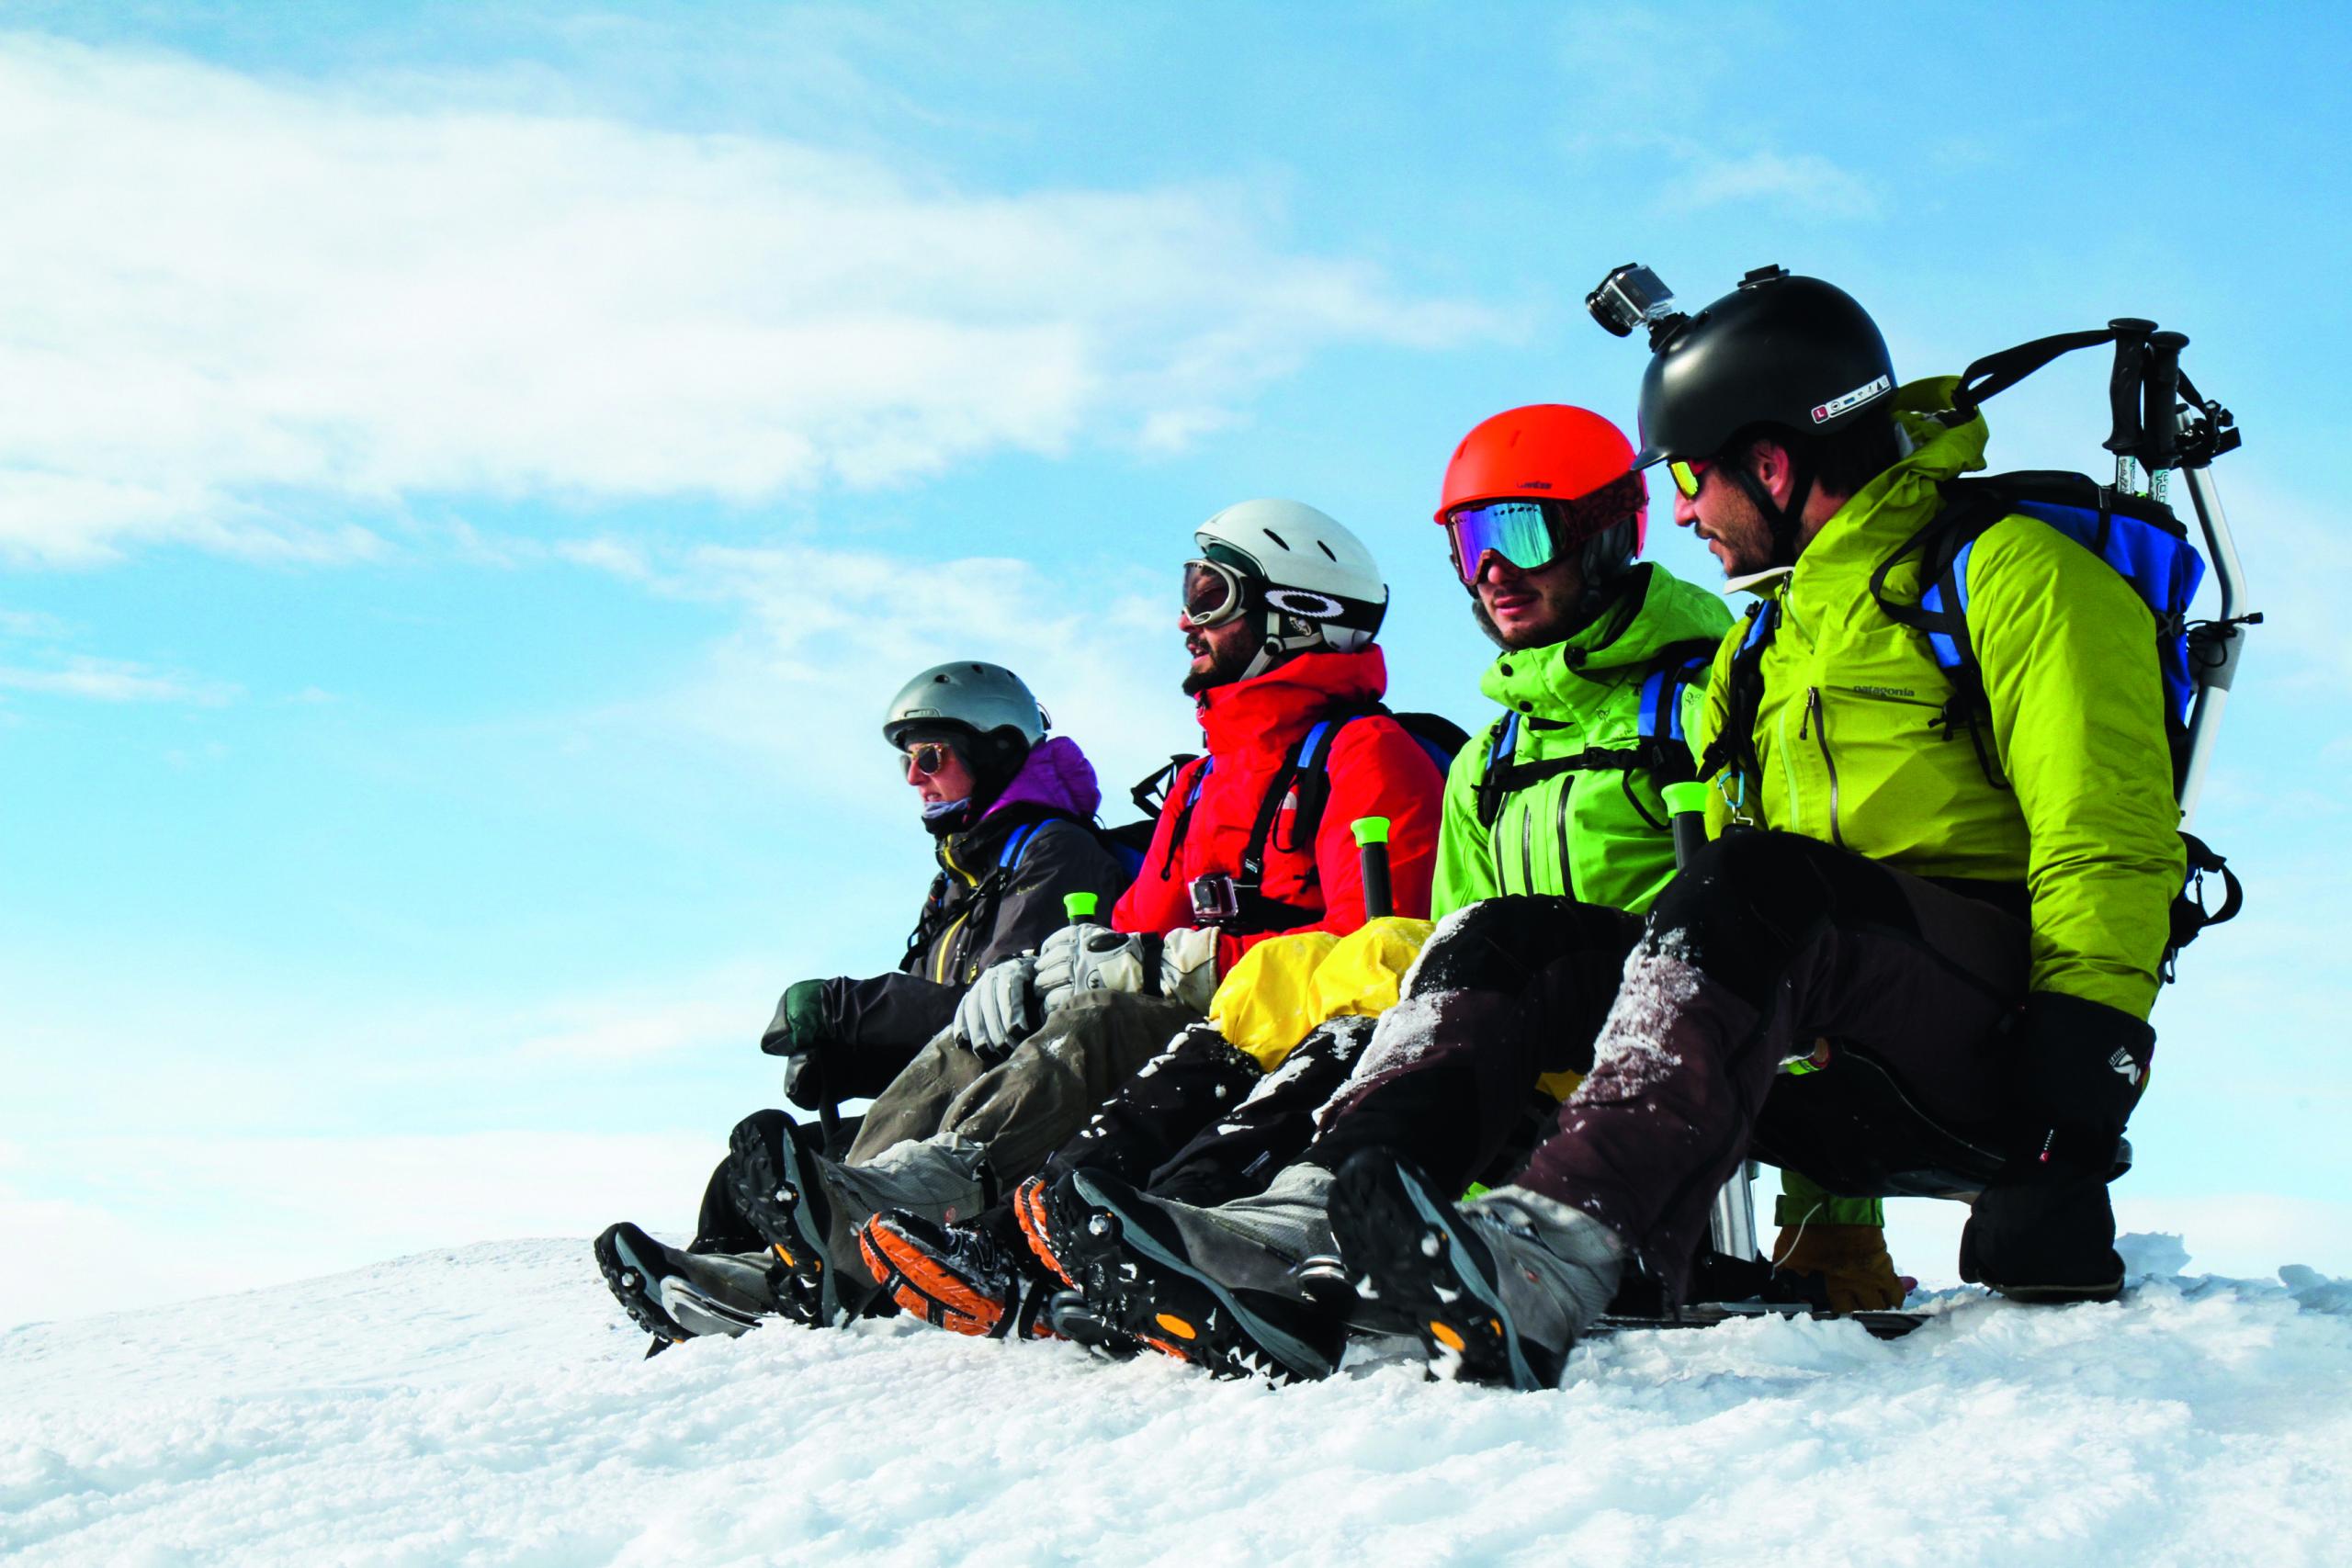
1785	521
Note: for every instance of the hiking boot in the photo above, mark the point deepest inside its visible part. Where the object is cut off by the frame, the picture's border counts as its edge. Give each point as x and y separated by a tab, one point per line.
955	1276
2049	1241
770	1173
1213	1287
1029	1201
677	1295
1498	1289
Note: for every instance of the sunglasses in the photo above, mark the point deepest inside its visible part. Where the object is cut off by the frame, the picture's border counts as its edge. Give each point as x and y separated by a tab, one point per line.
1213	594
1689	474
927	757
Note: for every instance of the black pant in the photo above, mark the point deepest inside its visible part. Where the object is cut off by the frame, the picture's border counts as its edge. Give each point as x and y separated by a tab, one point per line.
1203	1123
1765	946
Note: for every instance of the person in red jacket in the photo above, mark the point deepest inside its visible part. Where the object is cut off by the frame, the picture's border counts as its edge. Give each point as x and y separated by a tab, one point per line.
1281	608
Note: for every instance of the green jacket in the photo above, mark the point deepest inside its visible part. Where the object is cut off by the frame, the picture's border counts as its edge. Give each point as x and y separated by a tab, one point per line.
1596	835
1849	750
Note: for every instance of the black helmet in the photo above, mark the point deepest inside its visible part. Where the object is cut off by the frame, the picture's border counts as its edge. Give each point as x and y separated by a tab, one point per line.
1777	350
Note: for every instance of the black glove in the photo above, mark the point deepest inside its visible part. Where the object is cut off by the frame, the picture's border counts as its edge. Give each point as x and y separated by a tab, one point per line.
802	1027
2079	1069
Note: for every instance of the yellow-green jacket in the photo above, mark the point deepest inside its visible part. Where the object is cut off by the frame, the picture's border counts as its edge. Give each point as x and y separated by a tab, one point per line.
1598	835
1849	750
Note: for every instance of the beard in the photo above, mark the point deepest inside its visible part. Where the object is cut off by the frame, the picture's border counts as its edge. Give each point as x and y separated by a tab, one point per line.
1227	661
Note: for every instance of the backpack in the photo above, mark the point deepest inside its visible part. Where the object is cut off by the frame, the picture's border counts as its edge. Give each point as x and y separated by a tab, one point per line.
1660	749
1304	771
2137	537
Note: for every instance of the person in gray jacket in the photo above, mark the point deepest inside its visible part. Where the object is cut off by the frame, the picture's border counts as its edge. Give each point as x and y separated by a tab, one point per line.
1011	808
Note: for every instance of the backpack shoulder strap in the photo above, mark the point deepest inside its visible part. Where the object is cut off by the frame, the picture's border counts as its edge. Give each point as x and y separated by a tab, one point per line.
1735	746
1503	745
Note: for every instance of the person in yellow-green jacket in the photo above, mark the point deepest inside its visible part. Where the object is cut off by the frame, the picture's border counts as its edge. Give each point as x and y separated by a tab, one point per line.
1555	839
1956	918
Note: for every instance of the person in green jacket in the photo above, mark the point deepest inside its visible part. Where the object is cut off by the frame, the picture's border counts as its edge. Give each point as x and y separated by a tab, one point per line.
1555	839
1955	919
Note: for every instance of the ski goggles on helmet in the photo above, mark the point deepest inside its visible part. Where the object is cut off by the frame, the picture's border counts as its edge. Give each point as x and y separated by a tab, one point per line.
1214	594
1523	532
1689	474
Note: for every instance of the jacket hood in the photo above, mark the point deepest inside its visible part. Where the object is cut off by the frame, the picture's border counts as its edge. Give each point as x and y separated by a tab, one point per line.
1903	496
1056	774
1657	609
1271	710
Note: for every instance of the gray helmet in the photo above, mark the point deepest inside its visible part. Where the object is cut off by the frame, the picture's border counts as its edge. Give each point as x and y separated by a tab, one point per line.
979	698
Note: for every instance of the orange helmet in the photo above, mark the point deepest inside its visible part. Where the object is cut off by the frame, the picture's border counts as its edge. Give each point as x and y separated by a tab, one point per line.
1554	452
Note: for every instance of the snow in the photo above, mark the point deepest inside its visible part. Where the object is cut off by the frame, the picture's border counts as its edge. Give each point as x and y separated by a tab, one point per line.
490	1404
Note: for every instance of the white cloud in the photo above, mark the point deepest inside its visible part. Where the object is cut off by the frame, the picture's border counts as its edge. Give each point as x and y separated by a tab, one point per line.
238	299
826	636
1805	181
114	680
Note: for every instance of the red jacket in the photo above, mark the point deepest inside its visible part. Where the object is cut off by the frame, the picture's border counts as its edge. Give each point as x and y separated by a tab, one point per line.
1375	769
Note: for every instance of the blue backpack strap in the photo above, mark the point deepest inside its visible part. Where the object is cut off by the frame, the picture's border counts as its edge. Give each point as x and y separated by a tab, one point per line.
1017	845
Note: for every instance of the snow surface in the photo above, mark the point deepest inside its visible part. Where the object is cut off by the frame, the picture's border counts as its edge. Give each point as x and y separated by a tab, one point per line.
490	1404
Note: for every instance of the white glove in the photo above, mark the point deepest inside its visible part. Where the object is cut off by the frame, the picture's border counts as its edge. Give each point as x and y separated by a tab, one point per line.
1188	967
1081	958
1092	958
1001	1008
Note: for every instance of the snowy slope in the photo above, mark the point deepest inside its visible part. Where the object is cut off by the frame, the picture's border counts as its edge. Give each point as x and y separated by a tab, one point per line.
490	1405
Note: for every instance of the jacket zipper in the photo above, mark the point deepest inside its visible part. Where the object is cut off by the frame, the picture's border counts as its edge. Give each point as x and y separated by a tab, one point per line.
1817	720
1568	876
1527	847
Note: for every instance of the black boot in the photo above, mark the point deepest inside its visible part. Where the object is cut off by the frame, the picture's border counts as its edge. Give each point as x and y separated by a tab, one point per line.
2051	1240
679	1296
771	1176
960	1277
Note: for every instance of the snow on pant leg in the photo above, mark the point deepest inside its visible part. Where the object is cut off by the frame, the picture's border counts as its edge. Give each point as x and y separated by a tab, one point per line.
1508	990
917	1100
1036	1099
1172	1097
1256	1136
1764	943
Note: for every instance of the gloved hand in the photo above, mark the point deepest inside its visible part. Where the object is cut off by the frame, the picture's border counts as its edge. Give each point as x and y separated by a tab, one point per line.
1850	1263
1001	1008
801	1030
1095	958
2080	1065
1180	966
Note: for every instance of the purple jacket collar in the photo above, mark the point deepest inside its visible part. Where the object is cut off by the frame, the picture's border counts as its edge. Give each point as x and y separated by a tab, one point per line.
1057	776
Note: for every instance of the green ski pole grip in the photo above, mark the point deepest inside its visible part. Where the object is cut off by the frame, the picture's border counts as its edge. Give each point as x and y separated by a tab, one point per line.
1371	845
1079	907
1687	805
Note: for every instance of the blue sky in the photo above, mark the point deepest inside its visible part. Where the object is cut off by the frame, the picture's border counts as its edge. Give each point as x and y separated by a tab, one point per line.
471	475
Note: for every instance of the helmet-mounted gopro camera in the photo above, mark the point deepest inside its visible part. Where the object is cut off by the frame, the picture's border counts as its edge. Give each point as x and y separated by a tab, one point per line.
1632	297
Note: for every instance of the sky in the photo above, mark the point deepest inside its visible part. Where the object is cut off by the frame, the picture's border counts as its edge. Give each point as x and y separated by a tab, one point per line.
472	476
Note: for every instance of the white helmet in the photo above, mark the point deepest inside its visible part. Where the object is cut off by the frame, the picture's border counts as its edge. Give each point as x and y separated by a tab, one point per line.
1316	584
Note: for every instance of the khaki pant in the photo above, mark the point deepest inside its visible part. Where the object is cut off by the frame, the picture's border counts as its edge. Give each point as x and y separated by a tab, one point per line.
953	1131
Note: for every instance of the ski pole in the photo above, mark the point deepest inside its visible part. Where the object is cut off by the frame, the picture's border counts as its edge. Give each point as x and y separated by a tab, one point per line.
1079	907
1731	1219
1686	803
1372	843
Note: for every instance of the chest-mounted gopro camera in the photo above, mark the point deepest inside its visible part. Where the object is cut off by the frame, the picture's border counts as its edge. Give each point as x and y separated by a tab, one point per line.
1632	297
1216	899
